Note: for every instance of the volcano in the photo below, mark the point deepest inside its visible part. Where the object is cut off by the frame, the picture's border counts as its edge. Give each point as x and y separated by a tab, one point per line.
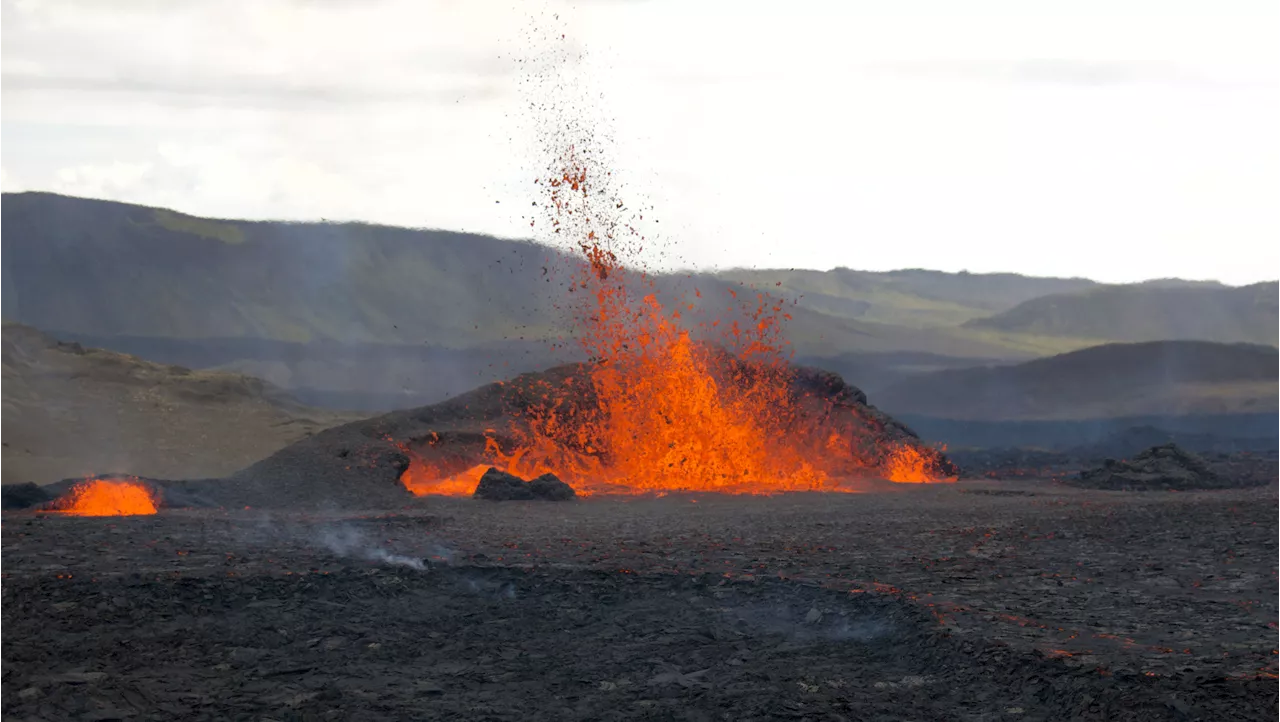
443	448
686	393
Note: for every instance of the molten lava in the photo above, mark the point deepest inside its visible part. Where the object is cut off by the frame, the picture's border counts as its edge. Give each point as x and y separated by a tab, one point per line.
909	465
422	479
107	497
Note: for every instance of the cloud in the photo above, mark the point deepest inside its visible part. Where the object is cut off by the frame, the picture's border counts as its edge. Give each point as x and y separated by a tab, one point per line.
224	178
1054	72
253	90
116	180
267	53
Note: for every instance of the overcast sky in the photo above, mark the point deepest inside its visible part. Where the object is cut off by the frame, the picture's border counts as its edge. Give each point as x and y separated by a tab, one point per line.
1119	140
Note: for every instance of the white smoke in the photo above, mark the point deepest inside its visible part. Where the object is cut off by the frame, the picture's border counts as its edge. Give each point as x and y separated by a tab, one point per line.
347	541
342	538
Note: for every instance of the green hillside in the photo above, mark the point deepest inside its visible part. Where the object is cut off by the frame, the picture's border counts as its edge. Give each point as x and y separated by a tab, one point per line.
915	298
103	269
365	316
1148	312
1156	378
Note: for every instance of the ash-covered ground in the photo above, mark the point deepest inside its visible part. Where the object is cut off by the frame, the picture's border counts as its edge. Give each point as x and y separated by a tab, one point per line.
975	601
1235	469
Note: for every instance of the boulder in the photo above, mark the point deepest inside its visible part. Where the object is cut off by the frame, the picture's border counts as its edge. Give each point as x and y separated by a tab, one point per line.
498	485
549	488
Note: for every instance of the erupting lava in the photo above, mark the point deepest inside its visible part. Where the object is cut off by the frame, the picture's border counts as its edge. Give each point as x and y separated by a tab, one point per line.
910	465
655	411
422	479
107	497
667	403
673	414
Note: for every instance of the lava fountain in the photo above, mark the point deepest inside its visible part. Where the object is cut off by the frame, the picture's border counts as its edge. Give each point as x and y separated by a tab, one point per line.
668	404
672	413
107	497
679	393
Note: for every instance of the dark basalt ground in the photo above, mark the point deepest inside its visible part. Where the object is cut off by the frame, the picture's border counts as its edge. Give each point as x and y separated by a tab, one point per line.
1234	470
470	643
979	601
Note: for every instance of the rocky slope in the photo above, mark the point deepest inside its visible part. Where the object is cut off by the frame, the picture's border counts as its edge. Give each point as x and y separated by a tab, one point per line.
74	411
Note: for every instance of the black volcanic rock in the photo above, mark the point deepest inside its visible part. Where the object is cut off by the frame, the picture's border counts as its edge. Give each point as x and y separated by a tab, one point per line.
22	496
548	487
1161	467
498	485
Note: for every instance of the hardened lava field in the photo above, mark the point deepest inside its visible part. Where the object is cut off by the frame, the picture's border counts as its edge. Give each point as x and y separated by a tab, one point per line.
971	601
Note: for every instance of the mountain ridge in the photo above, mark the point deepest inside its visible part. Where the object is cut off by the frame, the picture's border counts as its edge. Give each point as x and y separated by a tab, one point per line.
113	269
1150	312
371	315
1172	378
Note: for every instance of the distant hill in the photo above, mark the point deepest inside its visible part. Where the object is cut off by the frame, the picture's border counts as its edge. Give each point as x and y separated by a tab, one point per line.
74	266
1113	437
73	411
909	297
114	269
1113	380
1148	312
874	371
370	317
360	377
364	316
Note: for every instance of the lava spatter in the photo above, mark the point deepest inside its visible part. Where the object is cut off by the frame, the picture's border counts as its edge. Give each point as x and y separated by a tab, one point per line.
107	497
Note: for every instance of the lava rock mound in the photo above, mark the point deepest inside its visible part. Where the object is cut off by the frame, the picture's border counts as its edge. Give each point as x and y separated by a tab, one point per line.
359	465
1161	467
22	496
498	485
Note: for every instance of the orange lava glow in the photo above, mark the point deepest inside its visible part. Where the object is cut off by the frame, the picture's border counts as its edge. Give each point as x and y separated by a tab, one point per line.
909	465
107	497
665	422
422	479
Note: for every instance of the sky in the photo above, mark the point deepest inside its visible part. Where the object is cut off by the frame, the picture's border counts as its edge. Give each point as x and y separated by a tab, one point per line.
1119	140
